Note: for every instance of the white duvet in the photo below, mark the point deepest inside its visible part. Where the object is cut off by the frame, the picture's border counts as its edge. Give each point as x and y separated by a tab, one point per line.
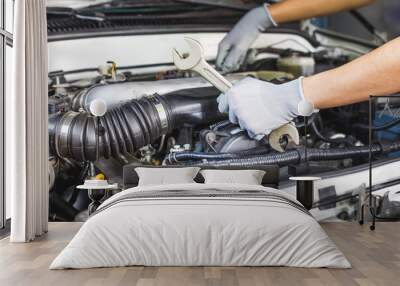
188	230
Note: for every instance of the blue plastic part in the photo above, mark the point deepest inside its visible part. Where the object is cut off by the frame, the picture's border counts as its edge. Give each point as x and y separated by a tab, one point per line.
390	134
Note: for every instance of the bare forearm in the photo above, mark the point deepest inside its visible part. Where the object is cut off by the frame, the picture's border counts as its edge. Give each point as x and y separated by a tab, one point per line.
294	10
376	73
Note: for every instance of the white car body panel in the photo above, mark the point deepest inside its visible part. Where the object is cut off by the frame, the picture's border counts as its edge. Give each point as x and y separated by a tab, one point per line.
148	49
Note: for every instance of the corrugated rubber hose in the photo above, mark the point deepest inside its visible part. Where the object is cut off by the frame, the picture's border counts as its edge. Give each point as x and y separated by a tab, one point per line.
298	156
131	125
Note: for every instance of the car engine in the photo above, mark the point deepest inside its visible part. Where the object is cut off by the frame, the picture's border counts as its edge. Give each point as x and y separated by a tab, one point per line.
171	117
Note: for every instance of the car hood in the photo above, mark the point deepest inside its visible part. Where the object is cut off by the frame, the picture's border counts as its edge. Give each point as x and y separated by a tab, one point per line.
74	4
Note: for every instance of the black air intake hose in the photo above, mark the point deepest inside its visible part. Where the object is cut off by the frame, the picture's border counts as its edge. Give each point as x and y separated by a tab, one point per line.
298	156
134	124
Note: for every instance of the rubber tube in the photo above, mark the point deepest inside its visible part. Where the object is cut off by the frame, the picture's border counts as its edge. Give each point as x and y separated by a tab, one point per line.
329	140
116	93
188	156
132	125
298	156
281	159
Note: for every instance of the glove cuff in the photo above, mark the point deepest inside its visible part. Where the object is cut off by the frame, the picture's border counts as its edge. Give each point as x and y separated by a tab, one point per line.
297	104
304	107
272	21
261	17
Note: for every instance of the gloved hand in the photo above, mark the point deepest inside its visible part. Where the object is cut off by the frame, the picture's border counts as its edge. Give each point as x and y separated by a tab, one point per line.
260	107
233	48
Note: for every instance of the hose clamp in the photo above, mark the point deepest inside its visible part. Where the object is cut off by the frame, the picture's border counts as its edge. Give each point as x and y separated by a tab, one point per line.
162	114
63	129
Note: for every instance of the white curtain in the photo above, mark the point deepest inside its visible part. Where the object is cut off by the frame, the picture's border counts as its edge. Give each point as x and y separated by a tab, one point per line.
26	123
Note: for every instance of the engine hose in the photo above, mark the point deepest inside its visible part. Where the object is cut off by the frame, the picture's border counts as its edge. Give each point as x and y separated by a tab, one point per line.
329	140
132	125
115	93
189	156
298	156
281	159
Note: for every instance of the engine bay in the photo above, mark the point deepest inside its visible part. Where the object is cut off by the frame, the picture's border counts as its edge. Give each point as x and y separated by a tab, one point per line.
157	115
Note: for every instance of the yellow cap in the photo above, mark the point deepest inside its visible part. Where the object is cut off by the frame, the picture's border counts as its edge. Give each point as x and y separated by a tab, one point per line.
100	176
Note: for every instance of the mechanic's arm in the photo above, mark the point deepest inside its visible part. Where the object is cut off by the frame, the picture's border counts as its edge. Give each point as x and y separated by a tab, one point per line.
233	48
294	10
260	107
376	73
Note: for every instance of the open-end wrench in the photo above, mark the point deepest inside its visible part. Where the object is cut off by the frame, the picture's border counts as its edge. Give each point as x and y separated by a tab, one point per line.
195	61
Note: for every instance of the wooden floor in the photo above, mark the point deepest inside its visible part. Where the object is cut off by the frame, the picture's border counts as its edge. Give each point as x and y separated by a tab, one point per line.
375	257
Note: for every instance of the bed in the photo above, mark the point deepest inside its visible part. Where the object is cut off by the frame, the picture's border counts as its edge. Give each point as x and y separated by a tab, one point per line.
201	224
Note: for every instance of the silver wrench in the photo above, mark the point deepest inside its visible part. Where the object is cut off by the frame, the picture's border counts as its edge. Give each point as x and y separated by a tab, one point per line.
195	61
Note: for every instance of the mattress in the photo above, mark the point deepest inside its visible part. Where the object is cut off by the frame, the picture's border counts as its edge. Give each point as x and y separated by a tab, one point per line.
201	225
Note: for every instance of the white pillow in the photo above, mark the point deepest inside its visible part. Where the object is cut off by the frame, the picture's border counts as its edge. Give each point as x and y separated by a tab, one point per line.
166	176
245	177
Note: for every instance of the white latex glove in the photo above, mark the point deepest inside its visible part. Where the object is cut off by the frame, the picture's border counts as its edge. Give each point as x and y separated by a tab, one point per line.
260	107
233	48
